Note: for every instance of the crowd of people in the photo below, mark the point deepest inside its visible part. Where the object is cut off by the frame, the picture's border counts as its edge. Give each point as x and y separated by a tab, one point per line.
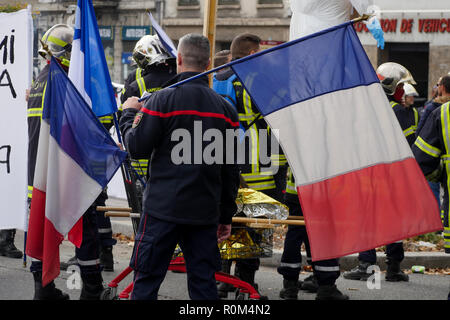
192	205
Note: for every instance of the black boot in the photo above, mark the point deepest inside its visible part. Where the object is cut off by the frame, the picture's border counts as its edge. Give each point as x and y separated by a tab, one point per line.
106	258
394	273
7	247
310	284
49	292
92	286
248	276
330	292
290	290
223	288
359	273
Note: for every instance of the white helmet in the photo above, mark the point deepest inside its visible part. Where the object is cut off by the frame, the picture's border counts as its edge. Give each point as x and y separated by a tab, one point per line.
59	41
392	74
149	50
410	90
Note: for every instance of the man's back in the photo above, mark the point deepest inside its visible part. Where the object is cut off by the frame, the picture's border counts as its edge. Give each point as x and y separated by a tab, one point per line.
183	186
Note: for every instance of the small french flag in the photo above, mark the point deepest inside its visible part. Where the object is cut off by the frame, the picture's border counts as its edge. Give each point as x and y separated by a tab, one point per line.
76	159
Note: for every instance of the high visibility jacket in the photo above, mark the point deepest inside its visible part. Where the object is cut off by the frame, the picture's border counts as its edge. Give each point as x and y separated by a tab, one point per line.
252	121
291	190
150	80
34	114
432	152
408	119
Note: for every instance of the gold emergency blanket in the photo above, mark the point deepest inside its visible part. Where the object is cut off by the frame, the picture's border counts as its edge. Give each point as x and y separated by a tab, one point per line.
256	204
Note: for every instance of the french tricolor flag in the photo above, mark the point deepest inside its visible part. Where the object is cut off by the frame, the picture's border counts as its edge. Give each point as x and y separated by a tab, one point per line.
76	159
358	182
88	69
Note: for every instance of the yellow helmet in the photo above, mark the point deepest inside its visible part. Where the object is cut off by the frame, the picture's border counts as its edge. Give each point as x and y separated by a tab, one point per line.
59	41
392	74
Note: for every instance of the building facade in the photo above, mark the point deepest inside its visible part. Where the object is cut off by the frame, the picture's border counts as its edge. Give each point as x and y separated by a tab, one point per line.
417	33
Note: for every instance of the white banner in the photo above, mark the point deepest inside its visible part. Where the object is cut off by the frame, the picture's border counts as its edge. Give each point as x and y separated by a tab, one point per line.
16	44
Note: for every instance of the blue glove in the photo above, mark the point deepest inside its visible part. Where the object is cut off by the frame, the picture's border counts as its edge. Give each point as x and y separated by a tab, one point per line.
375	28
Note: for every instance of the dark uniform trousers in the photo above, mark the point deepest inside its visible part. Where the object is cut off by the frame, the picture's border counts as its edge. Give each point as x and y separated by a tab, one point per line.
394	252
325	271
88	253
104	223
155	244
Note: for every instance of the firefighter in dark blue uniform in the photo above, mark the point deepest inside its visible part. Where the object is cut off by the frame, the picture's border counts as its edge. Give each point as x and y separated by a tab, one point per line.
59	40
325	272
186	201
392	76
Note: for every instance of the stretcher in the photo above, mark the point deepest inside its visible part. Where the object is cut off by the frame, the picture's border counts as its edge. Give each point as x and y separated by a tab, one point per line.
243	289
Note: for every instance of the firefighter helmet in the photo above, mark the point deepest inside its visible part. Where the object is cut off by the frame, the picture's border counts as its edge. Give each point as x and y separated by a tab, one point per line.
149	50
392	74
59	41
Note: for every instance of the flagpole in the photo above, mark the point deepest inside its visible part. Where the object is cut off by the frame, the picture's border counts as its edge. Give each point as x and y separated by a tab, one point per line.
209	29
257	54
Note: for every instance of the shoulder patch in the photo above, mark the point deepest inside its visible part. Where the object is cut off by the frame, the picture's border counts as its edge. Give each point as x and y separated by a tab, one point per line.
137	119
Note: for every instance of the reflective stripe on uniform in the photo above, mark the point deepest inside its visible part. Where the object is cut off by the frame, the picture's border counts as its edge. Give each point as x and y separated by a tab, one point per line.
30	191
427	148
447	237
141	83
290	183
37	112
104	230
326	269
106	119
261	185
291	265
88	262
34	112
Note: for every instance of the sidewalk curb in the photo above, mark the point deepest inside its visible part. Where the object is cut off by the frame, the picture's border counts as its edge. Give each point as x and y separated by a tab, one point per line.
427	259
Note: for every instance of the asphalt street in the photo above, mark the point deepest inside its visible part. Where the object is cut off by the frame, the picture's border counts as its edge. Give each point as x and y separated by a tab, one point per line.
16	282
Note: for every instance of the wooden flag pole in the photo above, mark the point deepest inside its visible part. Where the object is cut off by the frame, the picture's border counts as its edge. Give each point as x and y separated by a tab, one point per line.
209	29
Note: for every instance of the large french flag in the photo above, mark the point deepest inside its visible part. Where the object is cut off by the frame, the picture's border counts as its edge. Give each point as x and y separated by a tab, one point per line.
358	182
76	159
88	69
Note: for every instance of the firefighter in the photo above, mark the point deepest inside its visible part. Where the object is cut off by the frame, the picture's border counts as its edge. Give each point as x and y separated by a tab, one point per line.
392	76
59	39
257	176
325	272
187	202
432	152
157	67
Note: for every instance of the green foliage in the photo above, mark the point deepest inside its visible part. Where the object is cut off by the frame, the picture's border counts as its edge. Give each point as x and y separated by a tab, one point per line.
12	7
429	237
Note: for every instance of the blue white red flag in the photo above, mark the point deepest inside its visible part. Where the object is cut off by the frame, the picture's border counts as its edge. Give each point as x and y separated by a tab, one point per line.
88	69
358	183
76	159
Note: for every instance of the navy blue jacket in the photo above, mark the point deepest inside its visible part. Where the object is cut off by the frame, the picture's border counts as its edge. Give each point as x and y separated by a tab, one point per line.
191	192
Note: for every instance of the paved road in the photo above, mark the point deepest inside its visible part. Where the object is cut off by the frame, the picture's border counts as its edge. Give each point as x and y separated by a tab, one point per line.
16	282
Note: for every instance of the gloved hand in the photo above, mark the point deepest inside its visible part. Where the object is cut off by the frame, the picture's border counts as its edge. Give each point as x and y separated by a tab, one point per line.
375	28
